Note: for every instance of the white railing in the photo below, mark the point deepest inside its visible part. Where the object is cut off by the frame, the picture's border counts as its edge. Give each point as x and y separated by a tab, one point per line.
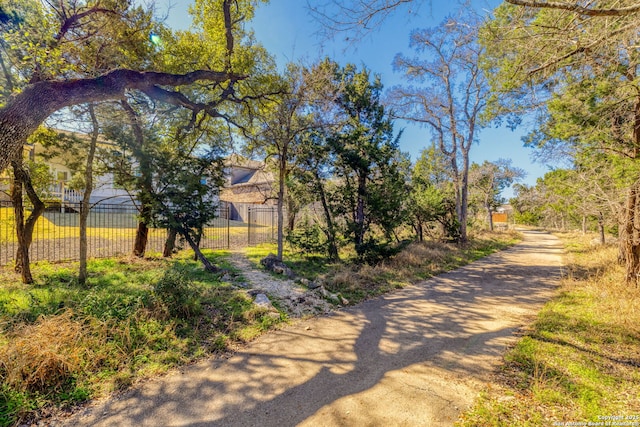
60	192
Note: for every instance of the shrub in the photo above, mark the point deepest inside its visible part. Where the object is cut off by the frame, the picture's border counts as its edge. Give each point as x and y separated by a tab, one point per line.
308	239
179	293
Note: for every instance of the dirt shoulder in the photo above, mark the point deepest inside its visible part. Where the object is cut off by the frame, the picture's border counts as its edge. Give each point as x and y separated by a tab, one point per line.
417	356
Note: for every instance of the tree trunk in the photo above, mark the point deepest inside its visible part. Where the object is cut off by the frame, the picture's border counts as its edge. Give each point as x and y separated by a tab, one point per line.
26	110
464	197
420	231
584	224
197	241
208	266
359	214
22	254
329	230
629	238
282	174
142	236
601	228
85	206
24	229
291	219
489	215
137	146
170	243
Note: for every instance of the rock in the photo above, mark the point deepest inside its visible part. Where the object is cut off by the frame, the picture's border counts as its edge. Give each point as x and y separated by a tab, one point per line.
262	301
272	263
344	300
253	292
330	296
275	315
313	285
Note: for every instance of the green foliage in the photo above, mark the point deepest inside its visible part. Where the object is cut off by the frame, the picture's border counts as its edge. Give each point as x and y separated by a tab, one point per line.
432	197
178	293
307	238
367	161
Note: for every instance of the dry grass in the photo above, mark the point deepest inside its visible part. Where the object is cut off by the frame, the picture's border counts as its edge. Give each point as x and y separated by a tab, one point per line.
421	255
44	355
418	261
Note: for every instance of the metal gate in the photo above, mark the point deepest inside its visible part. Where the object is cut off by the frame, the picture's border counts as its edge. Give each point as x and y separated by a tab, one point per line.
262	224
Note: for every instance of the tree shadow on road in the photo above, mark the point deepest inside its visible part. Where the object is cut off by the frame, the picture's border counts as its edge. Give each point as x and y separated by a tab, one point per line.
456	325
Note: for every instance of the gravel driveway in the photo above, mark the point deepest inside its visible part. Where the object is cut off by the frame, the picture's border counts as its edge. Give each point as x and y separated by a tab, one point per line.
415	357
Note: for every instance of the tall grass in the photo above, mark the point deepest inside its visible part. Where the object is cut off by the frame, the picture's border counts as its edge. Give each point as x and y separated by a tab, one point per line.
416	262
580	360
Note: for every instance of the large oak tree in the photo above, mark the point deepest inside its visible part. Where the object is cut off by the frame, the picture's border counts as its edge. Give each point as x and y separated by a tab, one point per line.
48	75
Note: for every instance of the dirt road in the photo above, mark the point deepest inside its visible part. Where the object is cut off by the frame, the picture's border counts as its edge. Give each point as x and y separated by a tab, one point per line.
416	357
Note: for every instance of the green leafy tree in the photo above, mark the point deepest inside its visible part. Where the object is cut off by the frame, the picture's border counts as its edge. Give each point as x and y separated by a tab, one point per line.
487	182
432	197
314	171
185	198
366	153
578	64
527	205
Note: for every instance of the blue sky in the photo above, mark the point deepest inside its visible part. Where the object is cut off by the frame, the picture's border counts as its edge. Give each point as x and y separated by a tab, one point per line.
290	33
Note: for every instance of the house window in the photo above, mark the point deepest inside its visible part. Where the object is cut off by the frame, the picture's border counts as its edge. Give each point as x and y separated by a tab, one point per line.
62	176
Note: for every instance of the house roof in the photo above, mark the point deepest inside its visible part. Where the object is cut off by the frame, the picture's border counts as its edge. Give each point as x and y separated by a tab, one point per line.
243	171
238	161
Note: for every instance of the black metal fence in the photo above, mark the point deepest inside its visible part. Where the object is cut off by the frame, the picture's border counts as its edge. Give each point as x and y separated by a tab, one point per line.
261	224
111	231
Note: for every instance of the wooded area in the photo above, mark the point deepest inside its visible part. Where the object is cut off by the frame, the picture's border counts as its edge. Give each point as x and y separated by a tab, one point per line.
157	112
325	129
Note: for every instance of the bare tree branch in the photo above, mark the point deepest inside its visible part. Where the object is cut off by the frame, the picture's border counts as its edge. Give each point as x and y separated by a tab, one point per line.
577	8
357	17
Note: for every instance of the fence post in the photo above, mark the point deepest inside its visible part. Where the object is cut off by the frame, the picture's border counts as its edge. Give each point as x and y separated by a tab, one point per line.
62	197
249	226
228	226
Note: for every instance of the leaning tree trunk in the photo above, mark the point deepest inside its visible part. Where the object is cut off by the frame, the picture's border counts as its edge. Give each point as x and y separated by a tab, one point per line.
208	266
25	111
